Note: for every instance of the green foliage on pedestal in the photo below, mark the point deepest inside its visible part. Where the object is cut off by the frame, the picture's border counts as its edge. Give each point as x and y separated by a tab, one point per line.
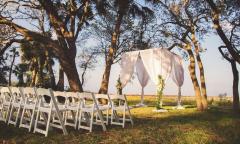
160	88
119	86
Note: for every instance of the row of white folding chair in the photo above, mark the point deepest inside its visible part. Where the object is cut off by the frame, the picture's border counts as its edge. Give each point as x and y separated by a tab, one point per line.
75	102
30	100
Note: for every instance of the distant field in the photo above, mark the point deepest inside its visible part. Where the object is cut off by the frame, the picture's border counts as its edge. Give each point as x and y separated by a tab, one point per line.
171	100
174	97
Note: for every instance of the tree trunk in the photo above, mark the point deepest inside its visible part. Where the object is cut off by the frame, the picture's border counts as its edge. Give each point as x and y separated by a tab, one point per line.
52	77
201	70
235	86
50	70
111	53
20	80
203	83
11	68
192	72
106	75
34	75
69	67
39	82
60	84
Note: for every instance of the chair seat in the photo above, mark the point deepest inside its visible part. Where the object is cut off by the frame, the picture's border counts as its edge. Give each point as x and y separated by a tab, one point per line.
17	104
118	108
104	107
29	106
7	103
72	107
87	109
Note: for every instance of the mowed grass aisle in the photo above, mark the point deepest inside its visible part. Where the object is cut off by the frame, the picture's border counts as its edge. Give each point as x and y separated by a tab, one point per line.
189	126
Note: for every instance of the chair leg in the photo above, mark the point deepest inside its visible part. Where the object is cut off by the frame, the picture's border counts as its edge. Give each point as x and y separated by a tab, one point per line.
124	117
7	113
107	115
66	118
18	112
32	119
80	119
112	114
21	120
91	121
48	123
36	121
10	116
76	119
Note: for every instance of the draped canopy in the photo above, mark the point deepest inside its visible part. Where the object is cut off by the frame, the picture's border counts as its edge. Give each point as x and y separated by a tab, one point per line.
149	64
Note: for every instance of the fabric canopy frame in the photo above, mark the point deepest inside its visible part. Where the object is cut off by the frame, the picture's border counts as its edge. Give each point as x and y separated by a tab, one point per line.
150	64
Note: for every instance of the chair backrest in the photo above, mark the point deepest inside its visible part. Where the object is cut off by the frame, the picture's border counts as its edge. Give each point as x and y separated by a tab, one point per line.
102	96
17	94
87	98
117	99
44	95
72	97
30	94
60	97
6	94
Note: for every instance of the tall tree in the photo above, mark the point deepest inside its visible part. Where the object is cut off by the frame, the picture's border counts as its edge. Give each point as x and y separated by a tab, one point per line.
66	18
217	11
182	24
123	9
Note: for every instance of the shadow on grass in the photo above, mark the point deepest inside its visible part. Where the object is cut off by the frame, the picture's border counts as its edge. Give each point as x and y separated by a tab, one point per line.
188	126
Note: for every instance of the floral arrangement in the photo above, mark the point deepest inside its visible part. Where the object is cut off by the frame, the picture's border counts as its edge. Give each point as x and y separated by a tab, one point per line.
160	87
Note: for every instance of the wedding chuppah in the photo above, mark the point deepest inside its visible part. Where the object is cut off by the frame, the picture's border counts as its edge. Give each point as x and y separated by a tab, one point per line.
150	64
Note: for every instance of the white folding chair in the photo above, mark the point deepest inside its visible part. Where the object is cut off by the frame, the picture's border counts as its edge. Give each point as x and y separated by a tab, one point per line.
17	105
88	108
61	102
119	104
103	107
73	106
29	108
6	99
46	110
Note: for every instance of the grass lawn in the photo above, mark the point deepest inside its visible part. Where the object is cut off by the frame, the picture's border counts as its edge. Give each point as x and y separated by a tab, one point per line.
189	126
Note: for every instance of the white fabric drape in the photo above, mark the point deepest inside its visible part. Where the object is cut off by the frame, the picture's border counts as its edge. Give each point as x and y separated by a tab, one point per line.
142	76
127	66
177	75
157	62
